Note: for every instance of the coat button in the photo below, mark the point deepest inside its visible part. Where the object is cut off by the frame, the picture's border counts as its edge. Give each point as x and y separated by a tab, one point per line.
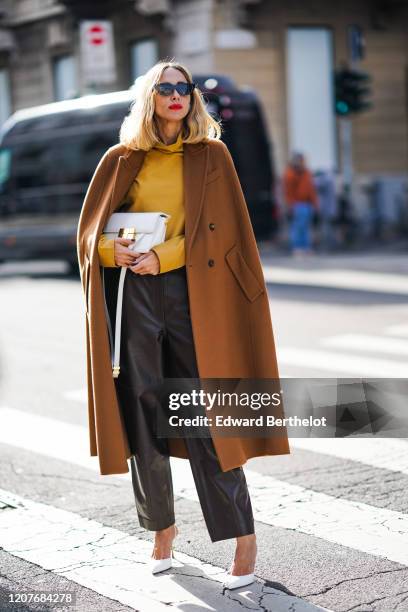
211	226
211	262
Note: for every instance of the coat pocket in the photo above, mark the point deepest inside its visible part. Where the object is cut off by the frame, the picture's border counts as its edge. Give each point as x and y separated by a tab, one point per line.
243	274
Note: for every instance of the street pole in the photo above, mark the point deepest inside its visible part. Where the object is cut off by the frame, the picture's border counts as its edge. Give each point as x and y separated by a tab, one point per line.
346	140
355	52
346	126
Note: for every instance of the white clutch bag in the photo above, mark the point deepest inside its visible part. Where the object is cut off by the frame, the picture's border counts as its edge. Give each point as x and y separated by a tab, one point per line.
147	229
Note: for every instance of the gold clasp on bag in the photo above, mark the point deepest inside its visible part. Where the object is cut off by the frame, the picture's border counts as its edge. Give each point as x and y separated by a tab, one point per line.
127	232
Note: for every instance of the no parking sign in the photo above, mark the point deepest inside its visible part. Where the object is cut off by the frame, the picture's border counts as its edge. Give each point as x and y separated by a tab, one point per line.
97	52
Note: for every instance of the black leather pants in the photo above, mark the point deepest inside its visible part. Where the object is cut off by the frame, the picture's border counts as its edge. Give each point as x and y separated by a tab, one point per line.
157	342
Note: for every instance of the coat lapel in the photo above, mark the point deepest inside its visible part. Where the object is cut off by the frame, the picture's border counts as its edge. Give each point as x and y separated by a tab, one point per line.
196	163
127	168
195	169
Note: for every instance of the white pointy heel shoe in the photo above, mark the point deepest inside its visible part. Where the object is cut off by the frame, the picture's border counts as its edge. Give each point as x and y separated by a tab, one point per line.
160	565
234	582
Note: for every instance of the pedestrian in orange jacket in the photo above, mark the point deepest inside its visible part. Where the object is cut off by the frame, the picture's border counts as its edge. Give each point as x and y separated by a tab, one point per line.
301	200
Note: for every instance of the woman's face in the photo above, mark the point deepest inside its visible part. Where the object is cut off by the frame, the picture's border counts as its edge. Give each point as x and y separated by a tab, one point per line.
164	104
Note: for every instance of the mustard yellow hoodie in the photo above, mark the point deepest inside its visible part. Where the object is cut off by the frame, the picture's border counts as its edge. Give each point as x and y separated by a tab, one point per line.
157	187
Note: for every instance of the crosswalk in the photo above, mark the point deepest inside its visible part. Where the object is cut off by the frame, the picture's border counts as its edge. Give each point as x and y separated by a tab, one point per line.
398	330
344	520
381	355
101	558
385	454
368	343
106	560
353	525
68	442
341	363
376	282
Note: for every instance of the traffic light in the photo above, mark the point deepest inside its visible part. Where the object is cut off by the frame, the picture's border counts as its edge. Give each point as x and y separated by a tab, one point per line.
351	89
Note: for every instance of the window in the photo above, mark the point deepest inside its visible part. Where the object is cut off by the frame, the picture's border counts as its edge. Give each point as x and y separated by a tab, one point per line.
143	55
5	165
64	76
58	160
311	119
5	103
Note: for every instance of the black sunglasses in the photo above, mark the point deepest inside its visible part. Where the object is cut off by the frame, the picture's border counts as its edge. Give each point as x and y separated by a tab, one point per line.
183	88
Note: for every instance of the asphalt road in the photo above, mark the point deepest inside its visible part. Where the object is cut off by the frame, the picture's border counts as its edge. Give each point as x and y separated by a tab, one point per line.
331	517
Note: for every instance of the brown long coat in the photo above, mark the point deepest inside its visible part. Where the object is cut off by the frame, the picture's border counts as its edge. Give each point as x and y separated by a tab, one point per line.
228	301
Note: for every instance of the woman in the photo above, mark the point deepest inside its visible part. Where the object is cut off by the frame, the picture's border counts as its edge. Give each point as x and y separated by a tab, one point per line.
194	306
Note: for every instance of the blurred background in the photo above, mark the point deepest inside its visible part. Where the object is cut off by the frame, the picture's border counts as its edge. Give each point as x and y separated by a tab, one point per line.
328	81
313	98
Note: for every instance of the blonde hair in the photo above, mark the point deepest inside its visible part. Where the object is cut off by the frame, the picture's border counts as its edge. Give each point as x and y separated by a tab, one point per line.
139	128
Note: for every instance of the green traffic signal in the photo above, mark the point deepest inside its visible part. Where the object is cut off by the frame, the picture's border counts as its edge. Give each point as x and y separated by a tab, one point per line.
342	108
351	88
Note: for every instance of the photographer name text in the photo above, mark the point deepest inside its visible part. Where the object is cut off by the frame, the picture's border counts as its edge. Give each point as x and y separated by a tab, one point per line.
259	421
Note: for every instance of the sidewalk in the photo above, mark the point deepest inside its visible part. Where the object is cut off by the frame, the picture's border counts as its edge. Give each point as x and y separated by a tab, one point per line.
385	259
379	270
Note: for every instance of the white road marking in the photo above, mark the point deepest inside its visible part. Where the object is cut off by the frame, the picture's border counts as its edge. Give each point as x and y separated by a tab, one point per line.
341	363
339	279
369	343
114	564
384	453
397	330
77	395
366	528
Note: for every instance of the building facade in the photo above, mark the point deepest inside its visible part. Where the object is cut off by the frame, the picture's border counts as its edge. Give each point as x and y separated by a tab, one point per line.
286	51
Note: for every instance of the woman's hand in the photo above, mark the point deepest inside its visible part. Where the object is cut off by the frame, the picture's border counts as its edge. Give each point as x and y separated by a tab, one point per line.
123	255
147	263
